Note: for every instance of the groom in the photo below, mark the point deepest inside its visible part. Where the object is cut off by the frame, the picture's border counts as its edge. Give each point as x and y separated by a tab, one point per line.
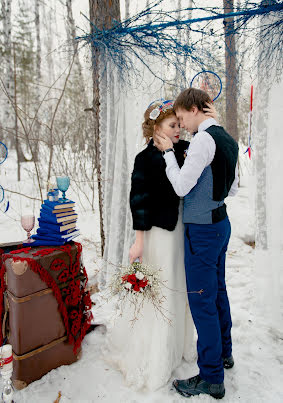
209	174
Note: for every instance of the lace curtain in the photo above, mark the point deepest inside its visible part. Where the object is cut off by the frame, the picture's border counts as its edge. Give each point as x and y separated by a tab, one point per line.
268	143
121	115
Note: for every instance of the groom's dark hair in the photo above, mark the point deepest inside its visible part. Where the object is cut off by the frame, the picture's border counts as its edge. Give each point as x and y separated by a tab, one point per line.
192	97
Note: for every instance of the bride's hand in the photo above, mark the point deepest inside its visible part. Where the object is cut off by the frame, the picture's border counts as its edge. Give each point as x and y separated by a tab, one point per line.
136	252
210	111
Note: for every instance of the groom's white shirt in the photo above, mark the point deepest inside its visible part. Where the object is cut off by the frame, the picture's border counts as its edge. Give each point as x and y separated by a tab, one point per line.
200	154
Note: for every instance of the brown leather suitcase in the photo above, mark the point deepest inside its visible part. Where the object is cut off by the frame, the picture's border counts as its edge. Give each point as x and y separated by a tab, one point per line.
33	316
22	281
35	327
33	365
33	320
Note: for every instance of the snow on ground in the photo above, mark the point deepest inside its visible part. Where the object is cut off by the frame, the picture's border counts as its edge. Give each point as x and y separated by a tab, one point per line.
257	350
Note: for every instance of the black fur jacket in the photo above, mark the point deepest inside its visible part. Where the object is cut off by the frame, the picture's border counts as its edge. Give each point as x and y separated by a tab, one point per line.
153	200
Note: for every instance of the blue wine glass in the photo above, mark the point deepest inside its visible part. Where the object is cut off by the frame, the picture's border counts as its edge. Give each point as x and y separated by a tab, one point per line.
63	183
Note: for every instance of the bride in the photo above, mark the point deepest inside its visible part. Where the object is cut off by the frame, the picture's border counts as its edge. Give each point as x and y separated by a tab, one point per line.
149	350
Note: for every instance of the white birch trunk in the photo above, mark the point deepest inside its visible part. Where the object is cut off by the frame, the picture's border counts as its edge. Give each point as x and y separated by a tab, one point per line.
127	9
71	34
269	194
36	131
181	76
8	77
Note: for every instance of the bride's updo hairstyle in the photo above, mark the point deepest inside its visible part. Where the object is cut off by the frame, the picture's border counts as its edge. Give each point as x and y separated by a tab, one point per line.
154	114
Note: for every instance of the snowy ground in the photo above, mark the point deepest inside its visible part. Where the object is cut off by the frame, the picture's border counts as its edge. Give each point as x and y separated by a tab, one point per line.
257	350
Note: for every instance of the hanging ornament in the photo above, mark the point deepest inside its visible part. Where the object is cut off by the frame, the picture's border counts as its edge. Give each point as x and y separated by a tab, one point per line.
249	149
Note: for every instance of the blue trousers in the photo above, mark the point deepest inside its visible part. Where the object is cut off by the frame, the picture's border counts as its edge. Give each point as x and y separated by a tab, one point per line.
205	252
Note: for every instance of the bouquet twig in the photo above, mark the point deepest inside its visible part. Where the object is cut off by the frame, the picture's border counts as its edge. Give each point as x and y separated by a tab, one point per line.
139	283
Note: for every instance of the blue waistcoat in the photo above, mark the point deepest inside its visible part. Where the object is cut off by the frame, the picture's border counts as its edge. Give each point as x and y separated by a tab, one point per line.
204	204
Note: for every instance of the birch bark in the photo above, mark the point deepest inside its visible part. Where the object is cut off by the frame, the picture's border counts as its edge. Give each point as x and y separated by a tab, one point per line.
36	131
231	72
8	61
102	15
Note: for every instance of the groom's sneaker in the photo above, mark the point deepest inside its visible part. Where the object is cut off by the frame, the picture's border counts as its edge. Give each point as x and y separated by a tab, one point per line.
196	386
228	362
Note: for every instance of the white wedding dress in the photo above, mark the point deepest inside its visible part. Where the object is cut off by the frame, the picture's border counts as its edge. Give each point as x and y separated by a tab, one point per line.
147	351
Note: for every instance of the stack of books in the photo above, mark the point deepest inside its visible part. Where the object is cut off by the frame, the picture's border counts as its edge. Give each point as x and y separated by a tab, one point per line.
57	223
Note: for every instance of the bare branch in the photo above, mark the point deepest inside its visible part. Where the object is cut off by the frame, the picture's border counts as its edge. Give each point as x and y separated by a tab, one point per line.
22	194
54	115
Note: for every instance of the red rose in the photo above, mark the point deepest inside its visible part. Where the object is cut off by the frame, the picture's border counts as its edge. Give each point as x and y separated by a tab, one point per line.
125	278
136	287
132	279
143	283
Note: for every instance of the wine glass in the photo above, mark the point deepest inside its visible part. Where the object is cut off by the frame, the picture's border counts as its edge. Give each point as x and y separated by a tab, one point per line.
27	222
63	183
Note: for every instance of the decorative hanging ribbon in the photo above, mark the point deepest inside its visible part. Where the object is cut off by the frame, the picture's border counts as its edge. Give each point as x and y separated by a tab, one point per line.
249	149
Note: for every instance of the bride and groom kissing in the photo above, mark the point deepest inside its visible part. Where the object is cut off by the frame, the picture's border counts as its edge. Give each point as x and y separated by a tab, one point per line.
179	215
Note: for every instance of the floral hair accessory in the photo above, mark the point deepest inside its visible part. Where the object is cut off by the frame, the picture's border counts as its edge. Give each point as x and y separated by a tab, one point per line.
165	105
154	113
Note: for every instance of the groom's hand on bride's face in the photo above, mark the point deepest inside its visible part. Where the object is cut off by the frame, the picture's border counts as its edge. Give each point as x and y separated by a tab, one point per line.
162	142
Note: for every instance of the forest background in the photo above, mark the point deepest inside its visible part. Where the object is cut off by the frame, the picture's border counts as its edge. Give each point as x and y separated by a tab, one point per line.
61	112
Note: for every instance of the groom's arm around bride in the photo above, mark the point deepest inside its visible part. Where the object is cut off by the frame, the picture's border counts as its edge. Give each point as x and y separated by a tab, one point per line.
208	176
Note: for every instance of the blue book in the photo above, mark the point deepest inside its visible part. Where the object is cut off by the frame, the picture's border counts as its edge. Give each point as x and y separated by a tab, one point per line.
50	237
56	205
56	227
44	242
50	210
55	235
45	231
52	218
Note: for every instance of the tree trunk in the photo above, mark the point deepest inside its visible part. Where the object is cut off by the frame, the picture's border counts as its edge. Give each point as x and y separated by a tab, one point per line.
8	59
180	77
36	131
16	119
103	14
19	151
231	72
73	49
127	9
70	27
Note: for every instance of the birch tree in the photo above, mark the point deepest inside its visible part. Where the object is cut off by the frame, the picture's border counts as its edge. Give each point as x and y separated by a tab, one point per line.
103	14
127	8
38	76
180	77
6	6
231	72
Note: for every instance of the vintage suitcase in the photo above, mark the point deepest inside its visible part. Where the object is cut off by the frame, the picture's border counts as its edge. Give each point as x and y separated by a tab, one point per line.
22	281
34	326
34	319
33	365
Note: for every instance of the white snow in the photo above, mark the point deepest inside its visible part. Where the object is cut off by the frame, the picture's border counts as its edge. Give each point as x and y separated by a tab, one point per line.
256	348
